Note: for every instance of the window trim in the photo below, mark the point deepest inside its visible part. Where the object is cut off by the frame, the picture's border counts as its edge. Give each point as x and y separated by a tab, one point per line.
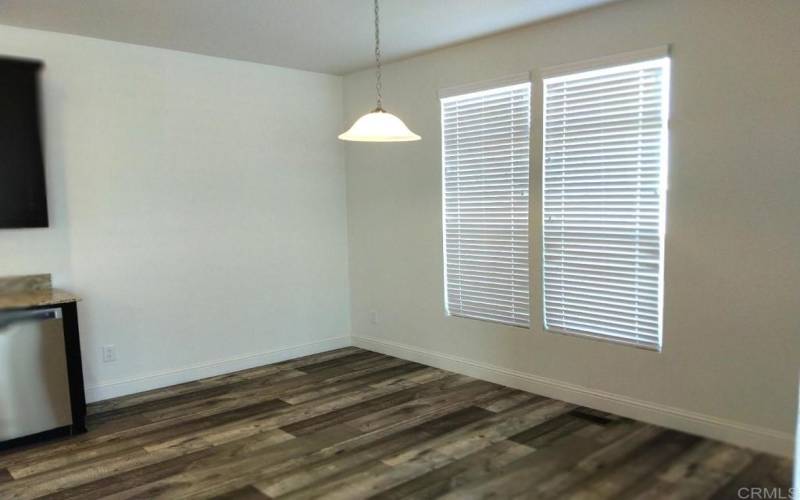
470	88
597	63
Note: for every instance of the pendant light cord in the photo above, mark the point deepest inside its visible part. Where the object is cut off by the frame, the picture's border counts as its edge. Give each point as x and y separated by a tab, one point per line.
378	57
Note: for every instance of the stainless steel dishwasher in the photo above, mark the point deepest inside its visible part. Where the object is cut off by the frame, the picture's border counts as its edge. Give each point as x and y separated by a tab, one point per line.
34	382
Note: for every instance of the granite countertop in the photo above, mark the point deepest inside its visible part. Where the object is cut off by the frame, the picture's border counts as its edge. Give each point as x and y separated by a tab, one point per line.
21	292
35	298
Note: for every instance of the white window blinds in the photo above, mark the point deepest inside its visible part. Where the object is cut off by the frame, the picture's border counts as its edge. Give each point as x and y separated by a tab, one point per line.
605	136
486	138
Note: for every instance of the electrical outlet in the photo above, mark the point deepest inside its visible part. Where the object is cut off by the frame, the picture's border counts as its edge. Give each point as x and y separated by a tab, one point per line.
373	317
109	353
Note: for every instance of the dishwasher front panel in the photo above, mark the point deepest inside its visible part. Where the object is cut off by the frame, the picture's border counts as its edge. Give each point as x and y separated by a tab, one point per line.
34	382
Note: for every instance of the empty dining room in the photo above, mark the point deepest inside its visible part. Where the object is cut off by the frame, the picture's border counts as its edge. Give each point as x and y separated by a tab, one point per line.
345	249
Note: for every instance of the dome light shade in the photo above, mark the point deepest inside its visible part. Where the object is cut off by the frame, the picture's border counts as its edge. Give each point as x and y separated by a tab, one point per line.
379	126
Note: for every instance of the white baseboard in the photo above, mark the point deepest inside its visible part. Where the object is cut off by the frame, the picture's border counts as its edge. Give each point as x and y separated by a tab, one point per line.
157	380
749	436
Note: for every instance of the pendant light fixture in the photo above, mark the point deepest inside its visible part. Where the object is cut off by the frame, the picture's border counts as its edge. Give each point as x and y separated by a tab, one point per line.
378	125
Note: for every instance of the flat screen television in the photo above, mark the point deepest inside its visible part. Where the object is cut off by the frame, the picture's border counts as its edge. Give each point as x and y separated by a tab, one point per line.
23	199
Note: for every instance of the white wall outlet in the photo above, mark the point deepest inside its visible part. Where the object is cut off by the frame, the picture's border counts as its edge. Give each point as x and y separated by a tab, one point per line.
373	317
109	353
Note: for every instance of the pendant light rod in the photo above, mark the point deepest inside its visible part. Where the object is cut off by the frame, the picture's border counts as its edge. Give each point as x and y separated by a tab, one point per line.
378	83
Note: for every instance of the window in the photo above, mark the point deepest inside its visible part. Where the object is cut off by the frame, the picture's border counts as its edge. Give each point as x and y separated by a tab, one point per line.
485	149
605	159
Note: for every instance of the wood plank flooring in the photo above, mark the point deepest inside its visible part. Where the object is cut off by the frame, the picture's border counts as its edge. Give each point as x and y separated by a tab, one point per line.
351	424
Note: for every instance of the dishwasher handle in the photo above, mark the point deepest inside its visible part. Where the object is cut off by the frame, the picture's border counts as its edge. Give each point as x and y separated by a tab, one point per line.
8	318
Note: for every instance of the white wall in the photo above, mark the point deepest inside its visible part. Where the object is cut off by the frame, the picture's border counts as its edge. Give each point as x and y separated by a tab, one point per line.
197	205
731	323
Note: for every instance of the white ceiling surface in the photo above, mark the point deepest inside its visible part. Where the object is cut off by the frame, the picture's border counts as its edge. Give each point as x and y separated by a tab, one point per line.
328	36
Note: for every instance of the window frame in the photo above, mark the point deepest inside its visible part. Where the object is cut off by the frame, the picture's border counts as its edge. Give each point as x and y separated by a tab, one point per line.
599	64
464	90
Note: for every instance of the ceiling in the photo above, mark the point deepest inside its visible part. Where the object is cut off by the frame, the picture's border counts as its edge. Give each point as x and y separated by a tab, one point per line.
329	36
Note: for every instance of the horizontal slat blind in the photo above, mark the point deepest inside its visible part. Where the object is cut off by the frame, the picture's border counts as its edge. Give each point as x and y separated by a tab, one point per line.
604	192
486	161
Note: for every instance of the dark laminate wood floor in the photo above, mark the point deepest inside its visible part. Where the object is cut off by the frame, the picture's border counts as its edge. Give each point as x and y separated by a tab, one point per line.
353	424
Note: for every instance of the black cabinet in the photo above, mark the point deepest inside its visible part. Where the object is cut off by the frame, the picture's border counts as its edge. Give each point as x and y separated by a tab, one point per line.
23	199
